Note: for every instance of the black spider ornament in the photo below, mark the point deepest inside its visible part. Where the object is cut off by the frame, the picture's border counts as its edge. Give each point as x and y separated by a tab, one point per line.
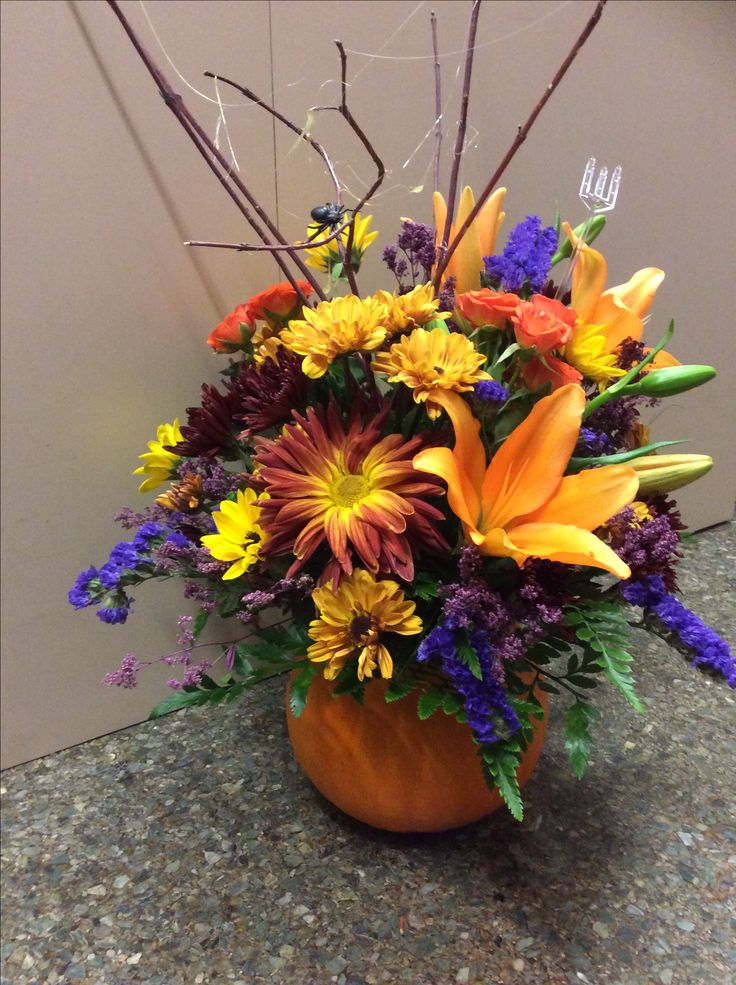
327	216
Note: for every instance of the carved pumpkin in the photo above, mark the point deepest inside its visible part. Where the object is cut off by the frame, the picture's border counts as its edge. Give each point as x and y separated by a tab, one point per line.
382	765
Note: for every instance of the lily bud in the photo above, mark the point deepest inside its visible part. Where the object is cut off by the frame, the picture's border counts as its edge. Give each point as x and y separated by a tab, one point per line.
594	229
663	473
669	380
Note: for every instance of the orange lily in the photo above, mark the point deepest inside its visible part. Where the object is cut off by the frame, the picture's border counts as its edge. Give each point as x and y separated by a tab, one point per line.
479	240
607	317
521	505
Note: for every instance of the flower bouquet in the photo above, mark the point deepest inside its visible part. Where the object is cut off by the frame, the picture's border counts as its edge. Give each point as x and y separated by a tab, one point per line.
432	507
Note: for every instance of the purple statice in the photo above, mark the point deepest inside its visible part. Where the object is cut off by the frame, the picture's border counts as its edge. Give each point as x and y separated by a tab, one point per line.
217	480
526	259
447	296
630	352
281	594
484	699
193	675
648	546
416	243
513	622
184	632
398	267
618	419
80	594
593	442
707	648
490	392
125	676
129	518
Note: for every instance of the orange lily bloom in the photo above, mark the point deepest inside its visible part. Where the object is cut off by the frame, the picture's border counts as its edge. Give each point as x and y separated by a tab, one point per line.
614	314
521	505
479	240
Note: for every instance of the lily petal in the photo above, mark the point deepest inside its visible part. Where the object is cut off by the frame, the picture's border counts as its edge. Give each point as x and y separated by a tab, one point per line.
638	292
567	544
488	222
527	469
588	278
461	495
467	261
589	498
468	447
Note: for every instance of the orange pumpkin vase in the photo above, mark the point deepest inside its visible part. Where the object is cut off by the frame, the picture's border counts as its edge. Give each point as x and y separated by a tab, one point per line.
381	764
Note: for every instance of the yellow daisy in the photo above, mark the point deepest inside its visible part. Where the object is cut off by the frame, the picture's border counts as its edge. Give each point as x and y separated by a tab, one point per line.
160	464
325	257
239	536
412	310
431	361
588	352
333	328
353	620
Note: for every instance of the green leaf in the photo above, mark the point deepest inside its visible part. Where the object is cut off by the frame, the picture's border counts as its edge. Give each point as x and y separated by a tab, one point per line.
429	702
199	623
549	688
299	687
187	699
398	689
466	654
578	739
452	703
502	760
604	632
424	586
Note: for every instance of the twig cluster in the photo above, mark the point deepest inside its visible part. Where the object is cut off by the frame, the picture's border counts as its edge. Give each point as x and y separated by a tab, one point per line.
268	232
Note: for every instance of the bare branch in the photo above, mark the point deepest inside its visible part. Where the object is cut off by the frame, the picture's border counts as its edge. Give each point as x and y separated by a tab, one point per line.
521	136
437	102
460	138
213	157
252	248
249	94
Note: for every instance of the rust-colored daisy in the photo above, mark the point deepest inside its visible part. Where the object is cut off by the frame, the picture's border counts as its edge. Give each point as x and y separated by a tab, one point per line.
348	487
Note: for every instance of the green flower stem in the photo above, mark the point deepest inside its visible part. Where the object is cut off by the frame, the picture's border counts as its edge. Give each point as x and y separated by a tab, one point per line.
615	389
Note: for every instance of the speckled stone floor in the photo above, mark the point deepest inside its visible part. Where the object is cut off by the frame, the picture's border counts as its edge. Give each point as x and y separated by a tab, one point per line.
192	850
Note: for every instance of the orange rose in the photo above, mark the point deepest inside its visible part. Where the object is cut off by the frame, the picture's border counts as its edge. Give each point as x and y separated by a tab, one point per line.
543	323
537	373
486	308
277	304
228	336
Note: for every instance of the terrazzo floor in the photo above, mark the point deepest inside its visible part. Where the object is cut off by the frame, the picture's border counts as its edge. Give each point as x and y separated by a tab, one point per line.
192	850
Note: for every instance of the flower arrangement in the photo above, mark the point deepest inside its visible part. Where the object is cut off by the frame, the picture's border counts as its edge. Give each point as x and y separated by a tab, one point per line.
445	486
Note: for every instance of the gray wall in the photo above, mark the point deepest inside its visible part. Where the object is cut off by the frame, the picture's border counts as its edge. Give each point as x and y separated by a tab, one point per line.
105	313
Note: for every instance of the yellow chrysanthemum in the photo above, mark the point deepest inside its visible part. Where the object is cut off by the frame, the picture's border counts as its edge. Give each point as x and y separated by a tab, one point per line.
412	310
352	621
431	361
333	328
239	536
325	257
588	352
159	464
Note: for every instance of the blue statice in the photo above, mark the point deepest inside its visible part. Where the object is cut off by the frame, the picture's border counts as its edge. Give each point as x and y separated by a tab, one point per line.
485	700
110	575
490	392
593	442
147	533
80	595
707	647
125	555
115	608
526	259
